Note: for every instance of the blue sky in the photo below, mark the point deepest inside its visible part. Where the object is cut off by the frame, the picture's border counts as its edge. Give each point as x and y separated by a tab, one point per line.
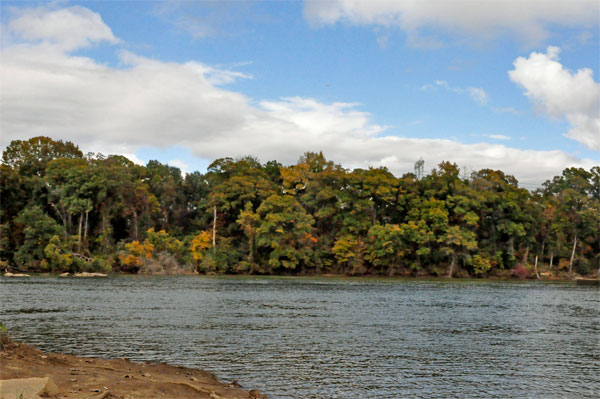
369	83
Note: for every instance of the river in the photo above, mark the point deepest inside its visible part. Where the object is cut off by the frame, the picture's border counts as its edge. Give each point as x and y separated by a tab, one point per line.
328	337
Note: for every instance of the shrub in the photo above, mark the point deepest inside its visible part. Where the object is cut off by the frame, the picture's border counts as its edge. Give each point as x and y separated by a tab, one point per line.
521	272
582	266
481	264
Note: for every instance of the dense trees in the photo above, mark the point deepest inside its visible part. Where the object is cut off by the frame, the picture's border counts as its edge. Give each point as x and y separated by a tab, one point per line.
63	211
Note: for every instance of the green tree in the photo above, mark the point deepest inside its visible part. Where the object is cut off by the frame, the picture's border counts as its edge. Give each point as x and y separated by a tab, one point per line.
30	157
39	228
386	248
285	232
250	222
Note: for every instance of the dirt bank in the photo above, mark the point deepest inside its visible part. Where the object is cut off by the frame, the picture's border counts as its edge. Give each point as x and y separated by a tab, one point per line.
78	377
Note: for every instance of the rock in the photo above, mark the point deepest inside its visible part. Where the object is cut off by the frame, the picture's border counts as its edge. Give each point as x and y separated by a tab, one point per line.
9	274
86	274
65	274
28	388
255	394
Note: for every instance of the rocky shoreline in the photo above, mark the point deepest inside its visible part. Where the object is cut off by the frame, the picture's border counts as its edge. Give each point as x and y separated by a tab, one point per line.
35	374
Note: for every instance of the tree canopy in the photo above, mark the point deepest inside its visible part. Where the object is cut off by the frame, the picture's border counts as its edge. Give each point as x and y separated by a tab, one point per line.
63	211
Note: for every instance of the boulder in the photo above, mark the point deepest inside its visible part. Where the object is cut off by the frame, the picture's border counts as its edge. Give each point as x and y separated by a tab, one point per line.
28	388
9	274
86	274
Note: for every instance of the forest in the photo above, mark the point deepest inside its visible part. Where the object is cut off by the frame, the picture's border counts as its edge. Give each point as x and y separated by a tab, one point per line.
65	211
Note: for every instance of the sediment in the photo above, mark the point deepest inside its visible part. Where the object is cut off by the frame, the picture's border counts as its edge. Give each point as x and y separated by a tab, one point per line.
79	377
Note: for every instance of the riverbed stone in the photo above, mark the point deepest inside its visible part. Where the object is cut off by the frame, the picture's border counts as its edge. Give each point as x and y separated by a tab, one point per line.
28	388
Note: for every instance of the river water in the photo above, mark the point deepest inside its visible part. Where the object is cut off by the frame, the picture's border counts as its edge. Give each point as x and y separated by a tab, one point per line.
328	337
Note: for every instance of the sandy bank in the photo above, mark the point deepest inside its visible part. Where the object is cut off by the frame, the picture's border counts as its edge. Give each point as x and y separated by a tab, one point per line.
77	377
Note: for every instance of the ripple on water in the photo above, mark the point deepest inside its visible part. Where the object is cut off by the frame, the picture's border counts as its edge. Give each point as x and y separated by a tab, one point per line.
328	338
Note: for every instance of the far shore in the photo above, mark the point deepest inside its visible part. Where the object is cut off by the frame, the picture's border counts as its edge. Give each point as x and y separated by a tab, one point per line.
507	276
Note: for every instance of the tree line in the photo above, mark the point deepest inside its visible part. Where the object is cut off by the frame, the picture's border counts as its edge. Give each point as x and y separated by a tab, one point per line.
62	210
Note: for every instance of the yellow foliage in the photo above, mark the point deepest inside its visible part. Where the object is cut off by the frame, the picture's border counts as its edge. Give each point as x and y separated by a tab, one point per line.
199	243
162	241
295	178
348	248
130	260
140	248
135	252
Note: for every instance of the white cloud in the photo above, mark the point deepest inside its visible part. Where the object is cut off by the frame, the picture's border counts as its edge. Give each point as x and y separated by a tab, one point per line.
559	92
178	163
131	156
69	28
498	137
527	20
477	94
149	103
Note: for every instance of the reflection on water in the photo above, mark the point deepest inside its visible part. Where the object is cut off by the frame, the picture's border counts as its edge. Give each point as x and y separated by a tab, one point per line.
328	338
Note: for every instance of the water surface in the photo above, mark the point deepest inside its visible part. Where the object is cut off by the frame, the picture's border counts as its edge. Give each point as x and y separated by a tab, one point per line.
327	337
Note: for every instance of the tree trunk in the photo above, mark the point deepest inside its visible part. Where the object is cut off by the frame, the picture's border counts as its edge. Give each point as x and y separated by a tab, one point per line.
572	255
85	230
104	238
252	245
543	248
511	247
214	230
551	259
79	232
166	218
452	263
62	215
526	255
493	235
535	266
135	224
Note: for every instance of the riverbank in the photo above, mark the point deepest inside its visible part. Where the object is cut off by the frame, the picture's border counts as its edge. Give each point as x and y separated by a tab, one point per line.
77	377
553	276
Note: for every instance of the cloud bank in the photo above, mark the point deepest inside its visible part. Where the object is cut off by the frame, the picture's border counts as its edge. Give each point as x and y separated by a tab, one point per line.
46	90
526	20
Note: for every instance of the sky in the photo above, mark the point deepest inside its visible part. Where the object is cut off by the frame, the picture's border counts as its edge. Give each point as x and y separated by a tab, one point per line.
510	85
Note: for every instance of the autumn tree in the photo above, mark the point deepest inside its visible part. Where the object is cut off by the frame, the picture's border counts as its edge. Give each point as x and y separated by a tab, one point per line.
285	232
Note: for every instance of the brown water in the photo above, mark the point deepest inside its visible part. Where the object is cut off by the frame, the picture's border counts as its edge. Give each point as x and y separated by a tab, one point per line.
328	338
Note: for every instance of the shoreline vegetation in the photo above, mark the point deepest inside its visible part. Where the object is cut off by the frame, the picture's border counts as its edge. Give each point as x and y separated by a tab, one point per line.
35	374
506	276
66	212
